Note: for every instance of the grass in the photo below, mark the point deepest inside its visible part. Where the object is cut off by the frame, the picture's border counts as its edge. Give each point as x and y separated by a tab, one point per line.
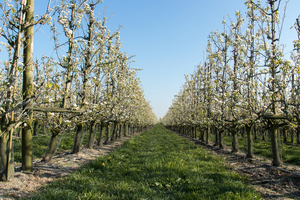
290	153
155	165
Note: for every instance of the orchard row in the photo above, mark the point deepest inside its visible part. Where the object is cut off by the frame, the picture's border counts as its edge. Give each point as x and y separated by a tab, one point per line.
88	82
244	83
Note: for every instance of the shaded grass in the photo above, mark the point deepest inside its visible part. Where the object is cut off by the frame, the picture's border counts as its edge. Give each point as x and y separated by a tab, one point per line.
290	153
155	165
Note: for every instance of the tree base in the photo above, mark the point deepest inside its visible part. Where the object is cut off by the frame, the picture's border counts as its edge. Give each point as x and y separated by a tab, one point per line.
7	176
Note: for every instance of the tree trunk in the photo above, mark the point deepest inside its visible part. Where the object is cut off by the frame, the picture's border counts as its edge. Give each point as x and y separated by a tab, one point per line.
6	163
27	148
107	134
54	143
78	138
284	133
27	87
250	153
221	144
125	130
275	148
216	136
92	135
255	132
207	135
20	132
202	134
235	142
3	156
44	128
120	130
264	134
128	129
100	139
35	127
113	136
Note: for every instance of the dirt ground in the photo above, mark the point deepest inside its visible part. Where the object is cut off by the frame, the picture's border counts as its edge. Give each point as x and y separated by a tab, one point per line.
272	182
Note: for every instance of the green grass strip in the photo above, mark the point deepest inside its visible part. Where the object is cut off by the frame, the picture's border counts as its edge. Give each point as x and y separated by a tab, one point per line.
155	165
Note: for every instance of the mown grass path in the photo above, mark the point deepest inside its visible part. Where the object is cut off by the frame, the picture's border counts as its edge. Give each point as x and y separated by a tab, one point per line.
154	165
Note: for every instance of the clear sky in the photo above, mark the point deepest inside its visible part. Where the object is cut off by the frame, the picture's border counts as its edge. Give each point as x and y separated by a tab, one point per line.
168	37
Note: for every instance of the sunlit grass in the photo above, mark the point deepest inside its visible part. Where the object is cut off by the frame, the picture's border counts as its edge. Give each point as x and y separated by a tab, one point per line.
155	165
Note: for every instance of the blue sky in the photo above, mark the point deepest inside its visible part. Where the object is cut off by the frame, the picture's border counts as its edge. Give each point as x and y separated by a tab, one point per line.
168	37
